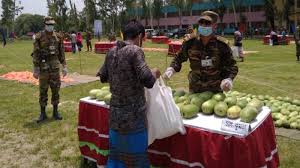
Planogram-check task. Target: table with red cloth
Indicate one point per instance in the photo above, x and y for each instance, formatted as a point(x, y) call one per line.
point(160, 39)
point(174, 47)
point(199, 147)
point(280, 40)
point(103, 47)
point(68, 46)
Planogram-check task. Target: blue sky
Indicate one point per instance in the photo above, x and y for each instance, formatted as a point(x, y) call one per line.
point(40, 6)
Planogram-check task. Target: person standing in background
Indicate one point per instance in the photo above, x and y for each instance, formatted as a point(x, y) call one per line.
point(79, 41)
point(89, 41)
point(238, 43)
point(3, 37)
point(73, 41)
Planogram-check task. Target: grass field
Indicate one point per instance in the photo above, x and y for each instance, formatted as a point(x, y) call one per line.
point(23, 143)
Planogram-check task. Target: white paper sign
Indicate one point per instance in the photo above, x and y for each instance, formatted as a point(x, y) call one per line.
point(98, 26)
point(235, 126)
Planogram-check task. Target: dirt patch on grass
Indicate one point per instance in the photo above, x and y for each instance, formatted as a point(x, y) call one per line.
point(250, 52)
point(156, 49)
point(27, 77)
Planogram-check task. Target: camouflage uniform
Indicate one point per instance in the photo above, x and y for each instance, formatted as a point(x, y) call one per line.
point(201, 77)
point(49, 60)
point(48, 54)
point(211, 63)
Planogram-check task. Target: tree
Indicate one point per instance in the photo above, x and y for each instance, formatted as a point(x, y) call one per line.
point(8, 13)
point(179, 4)
point(286, 11)
point(270, 10)
point(72, 22)
point(29, 23)
point(157, 7)
point(110, 11)
point(188, 6)
point(220, 9)
point(58, 10)
point(145, 11)
point(91, 12)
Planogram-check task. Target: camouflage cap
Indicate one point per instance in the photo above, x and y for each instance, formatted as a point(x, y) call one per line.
point(48, 20)
point(209, 16)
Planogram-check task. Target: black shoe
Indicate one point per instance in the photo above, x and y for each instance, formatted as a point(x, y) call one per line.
point(56, 114)
point(43, 115)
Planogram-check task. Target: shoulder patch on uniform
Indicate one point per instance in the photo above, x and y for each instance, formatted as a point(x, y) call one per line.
point(223, 39)
point(189, 37)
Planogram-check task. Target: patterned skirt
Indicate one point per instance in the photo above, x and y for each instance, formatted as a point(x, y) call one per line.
point(128, 150)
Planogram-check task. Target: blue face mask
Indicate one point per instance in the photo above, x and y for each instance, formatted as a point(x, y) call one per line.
point(205, 31)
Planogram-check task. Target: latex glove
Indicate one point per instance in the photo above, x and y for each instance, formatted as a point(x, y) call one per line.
point(226, 84)
point(36, 73)
point(64, 71)
point(169, 73)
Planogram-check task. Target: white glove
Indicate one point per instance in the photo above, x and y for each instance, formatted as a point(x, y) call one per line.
point(64, 71)
point(169, 73)
point(36, 72)
point(226, 84)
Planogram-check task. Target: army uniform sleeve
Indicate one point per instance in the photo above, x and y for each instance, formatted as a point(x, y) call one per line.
point(143, 72)
point(61, 49)
point(35, 53)
point(182, 55)
point(103, 71)
point(229, 67)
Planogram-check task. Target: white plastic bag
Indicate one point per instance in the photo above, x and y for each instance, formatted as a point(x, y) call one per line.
point(164, 118)
point(235, 52)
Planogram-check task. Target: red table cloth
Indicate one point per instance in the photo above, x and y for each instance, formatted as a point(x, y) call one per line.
point(68, 46)
point(160, 39)
point(198, 148)
point(103, 47)
point(280, 41)
point(174, 47)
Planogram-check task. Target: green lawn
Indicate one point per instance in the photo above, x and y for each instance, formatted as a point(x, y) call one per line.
point(23, 143)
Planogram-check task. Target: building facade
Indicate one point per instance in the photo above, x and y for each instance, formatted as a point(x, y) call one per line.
point(251, 11)
point(248, 14)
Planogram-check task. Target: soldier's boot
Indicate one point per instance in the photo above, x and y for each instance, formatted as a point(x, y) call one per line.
point(56, 114)
point(43, 115)
point(298, 57)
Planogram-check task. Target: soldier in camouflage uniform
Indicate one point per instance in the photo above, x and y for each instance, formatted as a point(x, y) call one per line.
point(212, 65)
point(48, 54)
